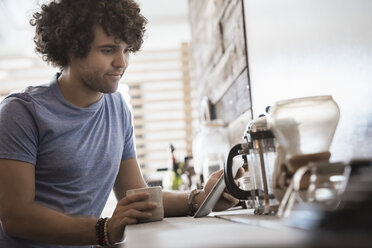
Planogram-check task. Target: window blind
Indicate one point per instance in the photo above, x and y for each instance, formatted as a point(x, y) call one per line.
point(163, 106)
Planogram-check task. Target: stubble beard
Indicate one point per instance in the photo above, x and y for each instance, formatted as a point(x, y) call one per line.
point(98, 83)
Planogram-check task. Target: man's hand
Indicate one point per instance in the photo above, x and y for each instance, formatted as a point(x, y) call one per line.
point(226, 200)
point(128, 211)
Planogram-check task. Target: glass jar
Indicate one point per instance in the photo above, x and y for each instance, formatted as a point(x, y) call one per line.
point(327, 182)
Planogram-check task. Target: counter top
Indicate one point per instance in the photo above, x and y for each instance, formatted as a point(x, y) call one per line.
point(225, 229)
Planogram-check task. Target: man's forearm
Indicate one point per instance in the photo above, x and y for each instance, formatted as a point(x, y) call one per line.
point(175, 203)
point(38, 223)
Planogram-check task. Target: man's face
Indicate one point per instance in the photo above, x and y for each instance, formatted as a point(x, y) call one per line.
point(104, 65)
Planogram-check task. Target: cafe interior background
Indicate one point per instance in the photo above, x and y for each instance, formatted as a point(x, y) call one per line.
point(215, 65)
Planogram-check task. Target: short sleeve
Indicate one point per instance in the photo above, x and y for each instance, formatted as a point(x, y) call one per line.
point(129, 145)
point(18, 132)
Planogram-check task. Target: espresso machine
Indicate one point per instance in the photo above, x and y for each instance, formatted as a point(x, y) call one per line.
point(258, 152)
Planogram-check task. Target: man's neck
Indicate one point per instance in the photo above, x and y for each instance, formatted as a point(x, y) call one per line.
point(75, 92)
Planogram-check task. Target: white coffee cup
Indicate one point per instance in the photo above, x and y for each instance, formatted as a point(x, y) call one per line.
point(155, 196)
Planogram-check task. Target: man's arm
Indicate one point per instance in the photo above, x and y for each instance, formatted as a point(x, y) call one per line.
point(130, 177)
point(174, 202)
point(21, 217)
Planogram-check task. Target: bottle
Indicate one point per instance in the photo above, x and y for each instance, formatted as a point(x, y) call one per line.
point(214, 147)
point(172, 179)
point(177, 171)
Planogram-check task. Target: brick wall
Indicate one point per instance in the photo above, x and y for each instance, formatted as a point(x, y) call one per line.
point(220, 60)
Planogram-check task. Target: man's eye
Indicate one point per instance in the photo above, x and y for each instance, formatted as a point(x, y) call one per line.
point(106, 51)
point(127, 50)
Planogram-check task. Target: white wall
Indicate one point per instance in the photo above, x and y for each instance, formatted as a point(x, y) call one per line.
point(167, 23)
point(314, 47)
point(20, 66)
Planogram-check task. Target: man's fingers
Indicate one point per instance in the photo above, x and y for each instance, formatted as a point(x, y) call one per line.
point(131, 216)
point(136, 197)
point(134, 213)
point(229, 198)
point(239, 173)
point(217, 173)
point(226, 201)
point(128, 221)
point(140, 206)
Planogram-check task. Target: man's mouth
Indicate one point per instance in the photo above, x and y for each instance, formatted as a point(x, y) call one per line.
point(114, 76)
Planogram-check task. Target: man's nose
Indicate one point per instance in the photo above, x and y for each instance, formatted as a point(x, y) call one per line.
point(120, 60)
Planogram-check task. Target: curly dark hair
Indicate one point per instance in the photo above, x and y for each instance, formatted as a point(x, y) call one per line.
point(65, 27)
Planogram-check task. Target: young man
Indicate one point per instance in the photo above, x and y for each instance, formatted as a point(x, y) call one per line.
point(66, 144)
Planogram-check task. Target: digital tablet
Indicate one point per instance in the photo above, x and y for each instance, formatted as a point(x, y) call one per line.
point(212, 198)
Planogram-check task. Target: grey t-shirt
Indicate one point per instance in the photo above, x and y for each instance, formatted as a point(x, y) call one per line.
point(76, 151)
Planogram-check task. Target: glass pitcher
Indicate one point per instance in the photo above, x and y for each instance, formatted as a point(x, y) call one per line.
point(304, 125)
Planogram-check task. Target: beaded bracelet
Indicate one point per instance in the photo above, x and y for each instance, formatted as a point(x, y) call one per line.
point(193, 207)
point(107, 241)
point(100, 231)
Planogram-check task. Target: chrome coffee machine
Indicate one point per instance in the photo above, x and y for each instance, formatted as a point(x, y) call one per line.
point(259, 153)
